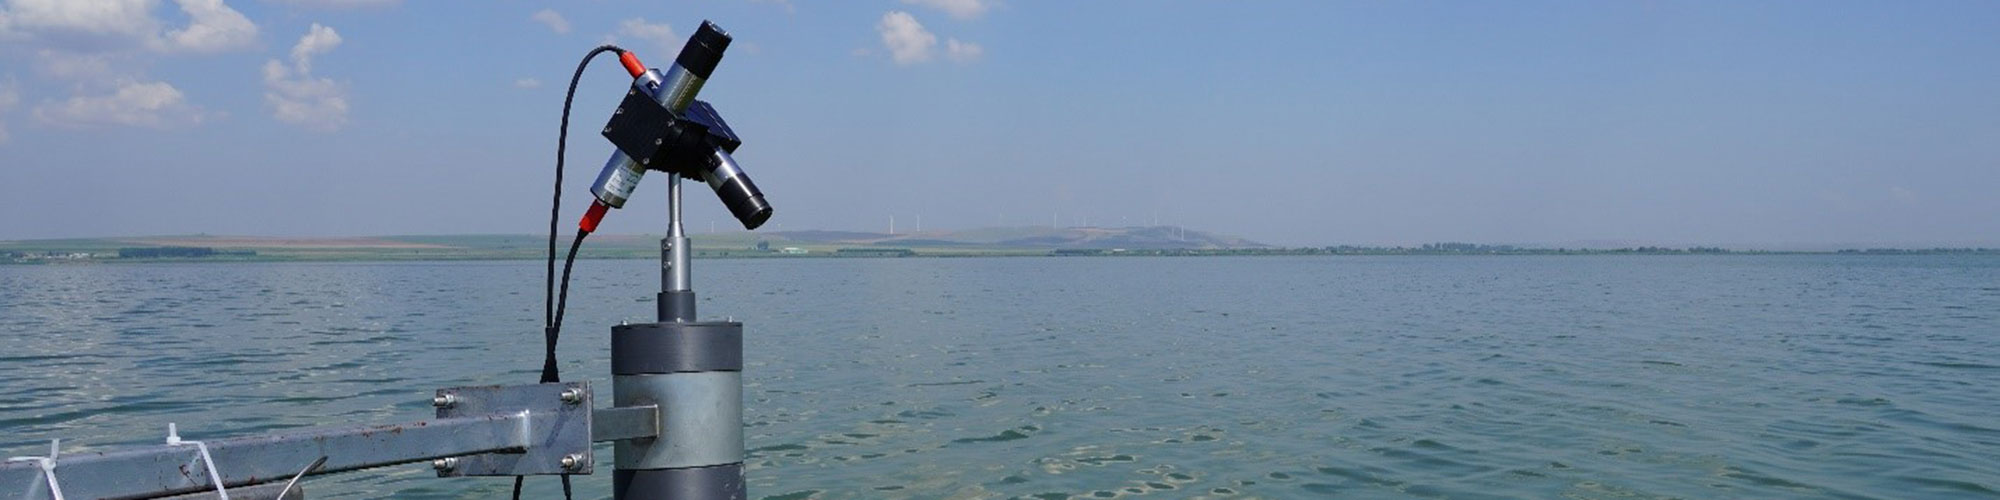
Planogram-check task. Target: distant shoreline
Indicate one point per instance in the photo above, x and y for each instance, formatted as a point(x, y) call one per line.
point(1011, 241)
point(1157, 241)
point(435, 254)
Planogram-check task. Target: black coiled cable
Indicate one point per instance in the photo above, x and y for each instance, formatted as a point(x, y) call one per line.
point(555, 301)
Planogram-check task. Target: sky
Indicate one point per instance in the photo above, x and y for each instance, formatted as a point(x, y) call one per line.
point(1760, 124)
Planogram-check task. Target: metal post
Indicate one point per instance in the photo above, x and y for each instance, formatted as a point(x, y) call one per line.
point(693, 371)
point(676, 299)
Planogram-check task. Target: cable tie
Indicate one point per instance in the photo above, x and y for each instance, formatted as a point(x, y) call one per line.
point(48, 465)
point(174, 439)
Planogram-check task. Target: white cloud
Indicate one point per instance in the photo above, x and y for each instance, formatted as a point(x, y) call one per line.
point(314, 103)
point(528, 83)
point(959, 9)
point(963, 51)
point(317, 40)
point(660, 35)
point(120, 25)
point(295, 95)
point(80, 24)
point(147, 104)
point(552, 19)
point(213, 27)
point(907, 40)
point(102, 48)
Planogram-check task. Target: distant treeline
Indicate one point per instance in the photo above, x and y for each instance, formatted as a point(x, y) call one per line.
point(180, 253)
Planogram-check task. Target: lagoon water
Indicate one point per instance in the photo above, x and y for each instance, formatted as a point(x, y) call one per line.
point(1278, 377)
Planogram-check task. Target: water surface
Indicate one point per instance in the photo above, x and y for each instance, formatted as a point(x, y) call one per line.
point(1277, 377)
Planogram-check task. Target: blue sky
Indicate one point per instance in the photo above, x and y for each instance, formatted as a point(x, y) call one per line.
point(1737, 123)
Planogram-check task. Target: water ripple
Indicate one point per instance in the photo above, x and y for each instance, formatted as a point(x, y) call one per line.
point(1584, 377)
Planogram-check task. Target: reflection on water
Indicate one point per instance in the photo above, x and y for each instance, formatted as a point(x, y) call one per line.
point(1449, 377)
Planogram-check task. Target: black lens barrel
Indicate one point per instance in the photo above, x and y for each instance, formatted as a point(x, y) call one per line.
point(704, 50)
point(744, 200)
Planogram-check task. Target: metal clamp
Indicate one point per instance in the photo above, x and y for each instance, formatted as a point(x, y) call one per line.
point(557, 432)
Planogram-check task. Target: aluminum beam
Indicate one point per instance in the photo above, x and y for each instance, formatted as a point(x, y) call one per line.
point(625, 422)
point(161, 470)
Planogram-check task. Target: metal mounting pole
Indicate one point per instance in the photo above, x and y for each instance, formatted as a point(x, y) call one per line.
point(693, 371)
point(676, 300)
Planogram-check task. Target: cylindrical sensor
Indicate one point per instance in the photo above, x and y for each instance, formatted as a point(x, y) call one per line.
point(742, 197)
point(674, 89)
point(615, 183)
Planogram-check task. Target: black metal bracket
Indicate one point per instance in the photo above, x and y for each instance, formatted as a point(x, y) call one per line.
point(660, 139)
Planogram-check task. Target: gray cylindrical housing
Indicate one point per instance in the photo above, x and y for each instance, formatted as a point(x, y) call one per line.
point(701, 419)
point(648, 348)
point(693, 372)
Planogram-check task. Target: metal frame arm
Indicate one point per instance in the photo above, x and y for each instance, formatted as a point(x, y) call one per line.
point(533, 429)
point(166, 470)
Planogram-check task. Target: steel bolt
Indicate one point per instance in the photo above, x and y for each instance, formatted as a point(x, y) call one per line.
point(445, 400)
point(444, 464)
point(572, 396)
point(572, 461)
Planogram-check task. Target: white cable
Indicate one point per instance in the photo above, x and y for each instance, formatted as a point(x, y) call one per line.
point(174, 439)
point(48, 465)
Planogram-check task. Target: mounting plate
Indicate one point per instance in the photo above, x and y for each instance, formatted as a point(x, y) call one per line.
point(558, 428)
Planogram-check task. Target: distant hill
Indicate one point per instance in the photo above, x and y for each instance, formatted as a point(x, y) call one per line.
point(1032, 237)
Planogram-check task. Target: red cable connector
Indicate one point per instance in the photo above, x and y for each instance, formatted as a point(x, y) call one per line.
point(593, 216)
point(632, 64)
